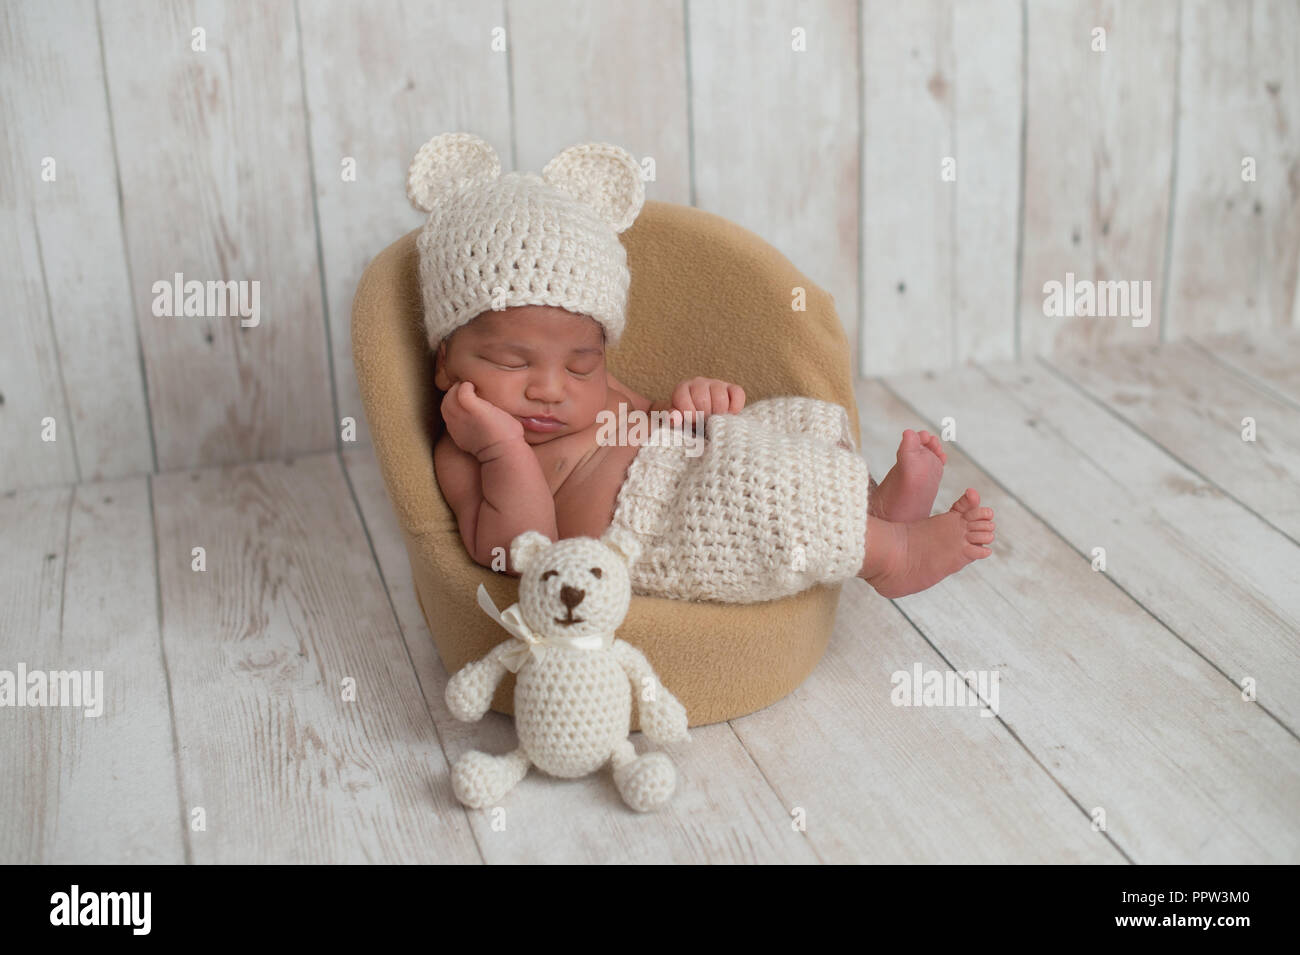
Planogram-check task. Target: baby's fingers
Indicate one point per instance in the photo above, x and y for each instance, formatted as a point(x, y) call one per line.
point(682, 399)
point(474, 404)
point(736, 398)
point(466, 394)
point(720, 397)
point(451, 402)
point(700, 397)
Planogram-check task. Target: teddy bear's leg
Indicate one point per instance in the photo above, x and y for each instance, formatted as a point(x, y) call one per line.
point(645, 782)
point(480, 779)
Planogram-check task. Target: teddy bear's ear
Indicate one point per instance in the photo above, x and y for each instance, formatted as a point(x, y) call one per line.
point(604, 176)
point(622, 542)
point(526, 548)
point(447, 162)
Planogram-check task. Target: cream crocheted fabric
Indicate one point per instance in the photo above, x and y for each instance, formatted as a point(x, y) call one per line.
point(574, 680)
point(771, 507)
point(497, 241)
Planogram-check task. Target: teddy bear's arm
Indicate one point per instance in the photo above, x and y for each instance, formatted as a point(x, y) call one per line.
point(663, 718)
point(469, 691)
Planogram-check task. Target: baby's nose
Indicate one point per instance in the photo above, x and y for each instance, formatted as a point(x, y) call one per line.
point(571, 596)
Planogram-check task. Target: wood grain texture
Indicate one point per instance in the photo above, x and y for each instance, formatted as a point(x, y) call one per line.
point(1236, 244)
point(775, 139)
point(258, 648)
point(80, 584)
point(75, 353)
point(1272, 361)
point(723, 810)
point(1120, 710)
point(1098, 159)
point(987, 114)
point(216, 186)
point(584, 71)
point(1222, 579)
point(941, 82)
point(375, 95)
point(881, 783)
point(118, 798)
point(33, 560)
point(1196, 410)
point(31, 388)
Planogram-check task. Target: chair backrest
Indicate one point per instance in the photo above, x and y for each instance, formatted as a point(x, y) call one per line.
point(711, 298)
point(707, 298)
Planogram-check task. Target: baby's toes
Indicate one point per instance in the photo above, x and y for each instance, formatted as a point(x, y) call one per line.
point(975, 551)
point(967, 501)
point(910, 444)
point(932, 442)
point(980, 532)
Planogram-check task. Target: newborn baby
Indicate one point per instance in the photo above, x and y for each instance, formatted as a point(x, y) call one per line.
point(523, 388)
point(524, 284)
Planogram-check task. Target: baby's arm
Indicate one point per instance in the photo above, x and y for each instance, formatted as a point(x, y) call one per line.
point(495, 499)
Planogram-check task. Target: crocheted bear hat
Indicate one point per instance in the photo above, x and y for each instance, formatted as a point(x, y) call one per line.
point(495, 241)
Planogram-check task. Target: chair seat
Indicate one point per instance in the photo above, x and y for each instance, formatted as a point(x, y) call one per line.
point(707, 298)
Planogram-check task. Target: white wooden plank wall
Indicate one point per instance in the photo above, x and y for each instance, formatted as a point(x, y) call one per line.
point(278, 155)
point(1098, 160)
point(69, 350)
point(774, 130)
point(216, 184)
point(1234, 241)
point(941, 99)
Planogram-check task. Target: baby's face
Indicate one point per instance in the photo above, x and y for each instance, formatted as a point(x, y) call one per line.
point(531, 361)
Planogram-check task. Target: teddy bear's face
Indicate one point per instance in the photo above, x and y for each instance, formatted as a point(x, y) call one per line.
point(575, 587)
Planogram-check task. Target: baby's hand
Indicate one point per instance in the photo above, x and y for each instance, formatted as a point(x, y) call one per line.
point(706, 396)
point(476, 425)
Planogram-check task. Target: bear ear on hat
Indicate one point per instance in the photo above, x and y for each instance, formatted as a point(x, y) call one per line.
point(446, 162)
point(604, 176)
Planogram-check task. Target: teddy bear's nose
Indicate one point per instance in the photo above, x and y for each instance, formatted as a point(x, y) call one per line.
point(571, 596)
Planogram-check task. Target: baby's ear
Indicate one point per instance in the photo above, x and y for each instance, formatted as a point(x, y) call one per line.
point(526, 548)
point(604, 176)
point(448, 162)
point(440, 367)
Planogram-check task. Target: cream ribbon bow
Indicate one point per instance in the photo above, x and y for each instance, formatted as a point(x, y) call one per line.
point(531, 644)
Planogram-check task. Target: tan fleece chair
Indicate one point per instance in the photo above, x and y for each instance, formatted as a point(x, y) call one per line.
point(707, 298)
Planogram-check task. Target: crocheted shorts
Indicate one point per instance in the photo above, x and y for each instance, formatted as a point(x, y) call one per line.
point(771, 507)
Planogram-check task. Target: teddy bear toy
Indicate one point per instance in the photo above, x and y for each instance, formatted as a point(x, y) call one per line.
point(574, 680)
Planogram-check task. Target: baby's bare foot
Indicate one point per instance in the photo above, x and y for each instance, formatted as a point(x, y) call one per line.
point(935, 548)
point(907, 492)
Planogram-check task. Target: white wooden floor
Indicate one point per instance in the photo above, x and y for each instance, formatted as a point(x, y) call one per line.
point(225, 738)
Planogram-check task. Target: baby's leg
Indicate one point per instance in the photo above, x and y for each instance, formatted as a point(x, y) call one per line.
point(904, 559)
